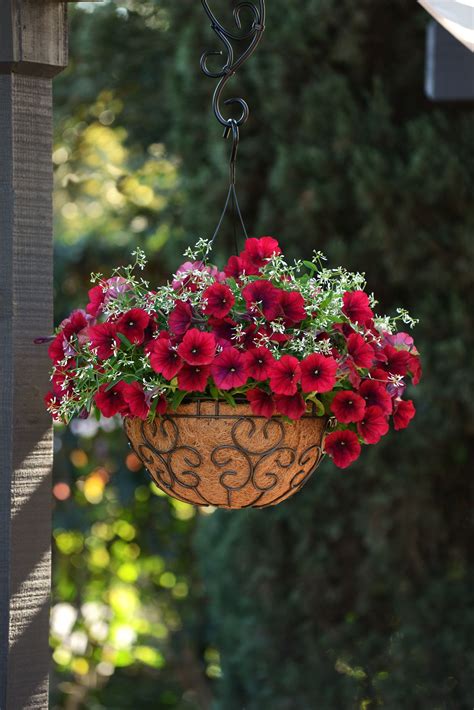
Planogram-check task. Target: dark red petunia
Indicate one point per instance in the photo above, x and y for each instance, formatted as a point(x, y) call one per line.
point(259, 363)
point(343, 447)
point(378, 374)
point(262, 404)
point(261, 250)
point(394, 361)
point(229, 369)
point(375, 394)
point(179, 319)
point(193, 378)
point(219, 300)
point(361, 352)
point(104, 339)
point(133, 324)
point(74, 324)
point(318, 373)
point(223, 329)
point(164, 359)
point(96, 299)
point(134, 397)
point(285, 375)
point(56, 348)
point(197, 347)
point(262, 297)
point(414, 367)
point(162, 405)
point(292, 307)
point(403, 413)
point(348, 406)
point(356, 307)
point(373, 426)
point(110, 401)
point(292, 406)
point(237, 266)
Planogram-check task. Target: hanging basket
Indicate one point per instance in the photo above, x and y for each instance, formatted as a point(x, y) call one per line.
point(211, 453)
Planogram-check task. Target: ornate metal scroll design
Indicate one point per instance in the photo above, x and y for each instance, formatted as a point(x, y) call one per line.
point(232, 63)
point(253, 456)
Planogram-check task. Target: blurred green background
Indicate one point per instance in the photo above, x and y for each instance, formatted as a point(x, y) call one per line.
point(357, 593)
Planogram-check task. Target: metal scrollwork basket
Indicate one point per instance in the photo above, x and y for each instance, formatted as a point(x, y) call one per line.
point(211, 453)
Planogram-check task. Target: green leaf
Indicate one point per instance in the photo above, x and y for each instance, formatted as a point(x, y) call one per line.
point(125, 340)
point(320, 409)
point(310, 266)
point(229, 399)
point(214, 391)
point(178, 397)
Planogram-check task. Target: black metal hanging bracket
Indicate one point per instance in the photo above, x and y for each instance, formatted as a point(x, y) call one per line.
point(233, 62)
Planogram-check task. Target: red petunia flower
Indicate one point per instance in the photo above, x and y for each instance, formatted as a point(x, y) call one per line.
point(318, 373)
point(74, 324)
point(179, 319)
point(347, 407)
point(110, 401)
point(373, 426)
point(133, 324)
point(403, 413)
point(356, 307)
point(343, 447)
point(285, 375)
point(361, 352)
point(134, 397)
point(56, 348)
point(104, 339)
point(261, 250)
point(220, 300)
point(193, 378)
point(262, 404)
point(260, 362)
point(96, 299)
point(197, 347)
point(414, 367)
point(292, 406)
point(162, 405)
point(223, 329)
point(375, 394)
point(229, 369)
point(239, 265)
point(394, 361)
point(292, 307)
point(262, 297)
point(164, 359)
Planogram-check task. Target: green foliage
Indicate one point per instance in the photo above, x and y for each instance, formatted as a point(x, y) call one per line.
point(357, 593)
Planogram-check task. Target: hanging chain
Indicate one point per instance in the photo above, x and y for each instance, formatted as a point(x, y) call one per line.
point(233, 61)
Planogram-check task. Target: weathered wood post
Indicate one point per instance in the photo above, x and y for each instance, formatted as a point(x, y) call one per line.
point(33, 48)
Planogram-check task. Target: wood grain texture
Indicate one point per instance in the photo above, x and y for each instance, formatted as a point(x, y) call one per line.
point(25, 430)
point(33, 36)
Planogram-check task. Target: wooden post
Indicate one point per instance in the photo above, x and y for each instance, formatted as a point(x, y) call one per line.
point(32, 50)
